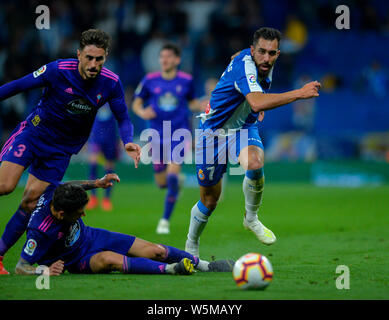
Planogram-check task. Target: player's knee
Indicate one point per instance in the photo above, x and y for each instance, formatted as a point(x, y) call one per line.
point(29, 202)
point(6, 188)
point(155, 252)
point(106, 261)
point(210, 202)
point(255, 164)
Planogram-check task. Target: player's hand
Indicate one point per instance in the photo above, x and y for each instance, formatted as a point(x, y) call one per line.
point(310, 90)
point(261, 116)
point(107, 181)
point(56, 268)
point(148, 113)
point(134, 151)
point(235, 55)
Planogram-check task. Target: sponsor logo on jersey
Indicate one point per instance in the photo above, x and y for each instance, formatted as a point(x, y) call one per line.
point(38, 72)
point(79, 106)
point(74, 234)
point(201, 175)
point(30, 247)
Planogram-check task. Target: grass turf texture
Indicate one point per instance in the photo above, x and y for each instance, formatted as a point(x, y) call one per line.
point(317, 229)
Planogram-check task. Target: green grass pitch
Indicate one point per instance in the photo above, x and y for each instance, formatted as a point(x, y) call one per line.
point(317, 230)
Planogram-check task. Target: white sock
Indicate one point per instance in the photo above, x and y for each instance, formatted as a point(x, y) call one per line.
point(203, 265)
point(198, 221)
point(253, 190)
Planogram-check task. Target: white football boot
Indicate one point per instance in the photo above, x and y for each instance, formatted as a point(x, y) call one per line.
point(263, 234)
point(163, 227)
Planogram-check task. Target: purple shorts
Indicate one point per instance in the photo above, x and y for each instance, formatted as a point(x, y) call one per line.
point(45, 162)
point(100, 240)
point(173, 154)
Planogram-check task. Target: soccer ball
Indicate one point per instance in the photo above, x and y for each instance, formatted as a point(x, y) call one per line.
point(252, 271)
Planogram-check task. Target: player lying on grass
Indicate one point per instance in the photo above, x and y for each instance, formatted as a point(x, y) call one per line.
point(58, 238)
point(60, 124)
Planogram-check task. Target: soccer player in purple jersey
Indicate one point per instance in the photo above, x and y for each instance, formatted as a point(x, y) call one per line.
point(167, 94)
point(58, 238)
point(103, 140)
point(74, 89)
point(237, 104)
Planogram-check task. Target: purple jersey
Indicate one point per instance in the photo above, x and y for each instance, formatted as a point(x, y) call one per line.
point(168, 98)
point(50, 240)
point(65, 114)
point(104, 128)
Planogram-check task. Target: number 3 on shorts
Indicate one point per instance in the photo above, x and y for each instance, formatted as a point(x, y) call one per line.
point(20, 149)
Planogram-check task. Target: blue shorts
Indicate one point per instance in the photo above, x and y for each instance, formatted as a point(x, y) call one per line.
point(45, 162)
point(100, 240)
point(214, 152)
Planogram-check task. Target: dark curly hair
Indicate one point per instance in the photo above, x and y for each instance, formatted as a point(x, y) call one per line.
point(69, 198)
point(95, 37)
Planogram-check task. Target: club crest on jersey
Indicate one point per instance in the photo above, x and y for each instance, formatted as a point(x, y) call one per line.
point(30, 247)
point(201, 175)
point(38, 72)
point(98, 97)
point(79, 106)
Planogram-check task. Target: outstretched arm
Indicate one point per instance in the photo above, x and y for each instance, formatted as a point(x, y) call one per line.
point(105, 182)
point(266, 101)
point(23, 84)
point(25, 268)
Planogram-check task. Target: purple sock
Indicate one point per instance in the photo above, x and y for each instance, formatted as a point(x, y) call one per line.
point(93, 168)
point(143, 266)
point(14, 229)
point(171, 195)
point(176, 255)
point(107, 192)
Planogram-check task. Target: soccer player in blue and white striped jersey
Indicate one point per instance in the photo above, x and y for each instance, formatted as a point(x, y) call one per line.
point(230, 132)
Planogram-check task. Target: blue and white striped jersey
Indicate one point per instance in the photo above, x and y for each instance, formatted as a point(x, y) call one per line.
point(228, 108)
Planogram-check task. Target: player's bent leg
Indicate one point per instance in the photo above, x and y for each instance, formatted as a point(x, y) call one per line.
point(18, 223)
point(33, 190)
point(10, 174)
point(93, 173)
point(108, 261)
point(172, 183)
point(200, 214)
point(160, 175)
point(106, 203)
point(252, 160)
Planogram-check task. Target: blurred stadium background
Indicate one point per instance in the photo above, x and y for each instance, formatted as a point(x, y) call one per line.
point(342, 138)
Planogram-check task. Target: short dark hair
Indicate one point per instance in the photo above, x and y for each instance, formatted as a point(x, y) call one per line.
point(267, 34)
point(69, 198)
point(95, 37)
point(173, 47)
